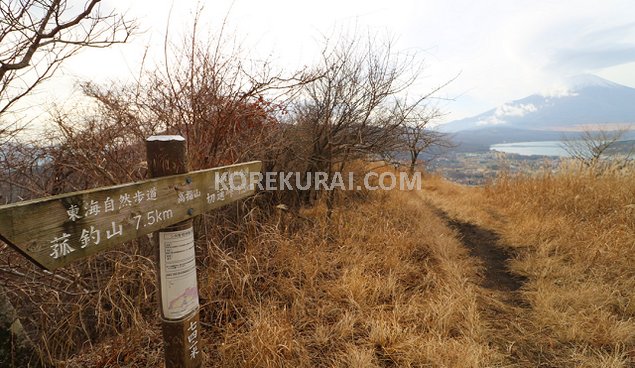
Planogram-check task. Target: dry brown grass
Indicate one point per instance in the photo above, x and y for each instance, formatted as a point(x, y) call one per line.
point(372, 288)
point(574, 236)
point(385, 283)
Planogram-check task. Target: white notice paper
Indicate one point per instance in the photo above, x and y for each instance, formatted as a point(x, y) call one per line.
point(179, 291)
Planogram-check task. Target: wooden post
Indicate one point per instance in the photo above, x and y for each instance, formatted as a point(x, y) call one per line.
point(178, 289)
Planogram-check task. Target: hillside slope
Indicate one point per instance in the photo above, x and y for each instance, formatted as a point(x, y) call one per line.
point(529, 272)
point(385, 284)
point(571, 235)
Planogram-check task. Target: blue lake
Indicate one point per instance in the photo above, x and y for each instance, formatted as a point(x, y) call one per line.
point(547, 148)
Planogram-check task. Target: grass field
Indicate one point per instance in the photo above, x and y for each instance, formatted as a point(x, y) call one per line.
point(526, 272)
point(573, 238)
point(385, 283)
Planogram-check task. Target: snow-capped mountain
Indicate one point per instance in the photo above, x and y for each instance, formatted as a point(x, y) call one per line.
point(584, 99)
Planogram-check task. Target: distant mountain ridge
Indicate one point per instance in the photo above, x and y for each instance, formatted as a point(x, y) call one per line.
point(584, 99)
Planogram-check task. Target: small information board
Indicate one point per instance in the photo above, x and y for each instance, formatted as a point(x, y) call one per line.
point(177, 261)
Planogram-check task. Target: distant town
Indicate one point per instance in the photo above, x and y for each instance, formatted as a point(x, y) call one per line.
point(478, 168)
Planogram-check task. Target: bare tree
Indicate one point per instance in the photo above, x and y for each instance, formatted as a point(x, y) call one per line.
point(591, 147)
point(417, 135)
point(36, 36)
point(357, 109)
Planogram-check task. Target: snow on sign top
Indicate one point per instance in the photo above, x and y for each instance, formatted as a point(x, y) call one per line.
point(165, 138)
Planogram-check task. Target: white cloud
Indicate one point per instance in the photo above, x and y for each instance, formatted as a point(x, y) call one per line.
point(558, 92)
point(493, 120)
point(506, 111)
point(514, 110)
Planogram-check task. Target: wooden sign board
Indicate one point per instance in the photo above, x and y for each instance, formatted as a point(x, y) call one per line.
point(58, 230)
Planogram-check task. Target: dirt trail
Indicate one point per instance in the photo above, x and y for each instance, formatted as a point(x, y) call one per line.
point(502, 304)
point(485, 245)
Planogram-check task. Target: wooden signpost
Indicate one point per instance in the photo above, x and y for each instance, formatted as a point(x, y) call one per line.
point(55, 231)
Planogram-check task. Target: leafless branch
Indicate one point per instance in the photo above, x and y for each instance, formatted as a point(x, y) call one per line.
point(36, 36)
point(591, 147)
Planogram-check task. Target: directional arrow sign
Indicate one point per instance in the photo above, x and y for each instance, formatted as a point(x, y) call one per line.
point(55, 231)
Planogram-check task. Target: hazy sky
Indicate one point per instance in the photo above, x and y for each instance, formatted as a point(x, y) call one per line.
point(503, 50)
